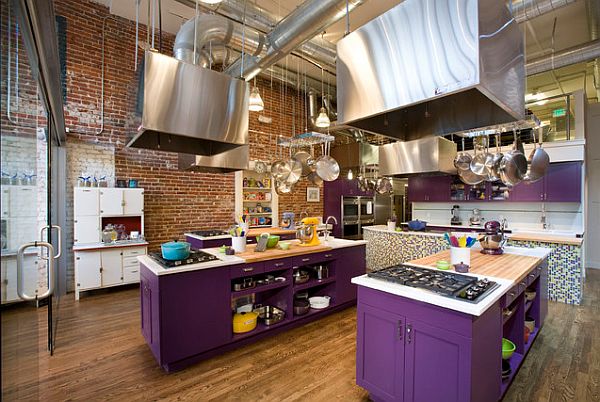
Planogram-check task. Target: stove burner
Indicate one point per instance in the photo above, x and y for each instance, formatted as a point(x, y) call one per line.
point(209, 233)
point(448, 284)
point(196, 257)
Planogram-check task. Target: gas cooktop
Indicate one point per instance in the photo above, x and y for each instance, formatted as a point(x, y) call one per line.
point(209, 233)
point(449, 284)
point(196, 257)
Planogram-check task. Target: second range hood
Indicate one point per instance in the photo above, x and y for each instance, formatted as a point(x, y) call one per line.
point(190, 109)
point(429, 156)
point(432, 67)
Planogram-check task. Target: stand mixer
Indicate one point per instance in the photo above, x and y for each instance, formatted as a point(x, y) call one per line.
point(307, 232)
point(493, 240)
point(287, 221)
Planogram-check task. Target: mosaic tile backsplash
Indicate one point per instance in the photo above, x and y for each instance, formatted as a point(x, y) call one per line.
point(565, 270)
point(565, 274)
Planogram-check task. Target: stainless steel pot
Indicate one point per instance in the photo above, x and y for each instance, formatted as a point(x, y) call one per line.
point(269, 314)
point(321, 271)
point(326, 167)
point(301, 306)
point(463, 159)
point(301, 276)
point(304, 233)
point(513, 166)
point(538, 162)
point(307, 162)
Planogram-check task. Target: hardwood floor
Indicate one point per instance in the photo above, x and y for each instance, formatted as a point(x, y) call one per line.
point(101, 355)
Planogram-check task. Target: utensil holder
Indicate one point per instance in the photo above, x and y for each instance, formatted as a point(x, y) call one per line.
point(238, 243)
point(460, 255)
point(391, 226)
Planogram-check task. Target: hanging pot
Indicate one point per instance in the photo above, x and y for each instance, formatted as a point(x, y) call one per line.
point(513, 166)
point(494, 172)
point(306, 161)
point(384, 186)
point(478, 163)
point(470, 178)
point(327, 168)
point(463, 159)
point(538, 162)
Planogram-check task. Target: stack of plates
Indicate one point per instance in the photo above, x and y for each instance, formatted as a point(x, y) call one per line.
point(319, 302)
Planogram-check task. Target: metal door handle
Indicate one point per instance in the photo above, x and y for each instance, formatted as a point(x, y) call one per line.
point(305, 259)
point(59, 232)
point(248, 269)
point(21, 266)
point(532, 275)
point(279, 264)
point(408, 332)
point(399, 330)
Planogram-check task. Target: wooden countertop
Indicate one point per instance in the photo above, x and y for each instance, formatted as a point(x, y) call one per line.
point(273, 253)
point(273, 231)
point(574, 241)
point(507, 266)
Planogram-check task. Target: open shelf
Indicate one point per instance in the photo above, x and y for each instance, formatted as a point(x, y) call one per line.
point(261, 226)
point(257, 188)
point(532, 337)
point(528, 305)
point(313, 311)
point(261, 288)
point(506, 318)
point(259, 213)
point(260, 327)
point(515, 362)
point(258, 201)
point(313, 283)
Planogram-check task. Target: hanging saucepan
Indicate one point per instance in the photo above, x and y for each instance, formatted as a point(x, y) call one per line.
point(327, 167)
point(306, 161)
point(478, 162)
point(283, 187)
point(295, 170)
point(494, 173)
point(280, 169)
point(361, 180)
point(513, 166)
point(384, 186)
point(462, 161)
point(538, 162)
point(470, 178)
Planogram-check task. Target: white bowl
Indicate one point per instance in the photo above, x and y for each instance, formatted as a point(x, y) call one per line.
point(319, 302)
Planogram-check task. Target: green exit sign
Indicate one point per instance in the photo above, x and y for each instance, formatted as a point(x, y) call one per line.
point(559, 113)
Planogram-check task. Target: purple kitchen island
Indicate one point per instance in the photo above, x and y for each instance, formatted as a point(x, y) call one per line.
point(187, 309)
point(425, 335)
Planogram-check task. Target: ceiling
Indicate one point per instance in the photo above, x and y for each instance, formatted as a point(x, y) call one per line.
point(571, 29)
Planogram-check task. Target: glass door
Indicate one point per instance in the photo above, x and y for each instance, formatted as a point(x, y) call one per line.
point(30, 249)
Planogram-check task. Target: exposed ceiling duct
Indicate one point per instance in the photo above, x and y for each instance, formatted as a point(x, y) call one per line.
point(593, 13)
point(430, 67)
point(525, 10)
point(576, 54)
point(301, 25)
point(190, 109)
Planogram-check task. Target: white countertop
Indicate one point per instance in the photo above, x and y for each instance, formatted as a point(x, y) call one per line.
point(227, 260)
point(430, 297)
point(383, 228)
point(320, 227)
point(123, 243)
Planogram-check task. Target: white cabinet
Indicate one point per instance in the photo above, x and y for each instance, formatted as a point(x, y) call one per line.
point(112, 264)
point(86, 201)
point(9, 277)
point(111, 201)
point(133, 201)
point(87, 229)
point(109, 267)
point(21, 230)
point(88, 273)
point(22, 201)
point(5, 201)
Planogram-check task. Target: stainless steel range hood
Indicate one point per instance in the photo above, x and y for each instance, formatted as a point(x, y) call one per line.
point(190, 109)
point(432, 155)
point(431, 67)
point(225, 162)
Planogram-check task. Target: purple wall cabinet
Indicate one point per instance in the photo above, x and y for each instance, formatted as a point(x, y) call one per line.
point(429, 188)
point(436, 354)
point(528, 192)
point(333, 191)
point(351, 263)
point(562, 183)
point(380, 354)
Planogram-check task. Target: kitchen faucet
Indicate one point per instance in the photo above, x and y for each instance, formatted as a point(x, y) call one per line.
point(543, 218)
point(327, 222)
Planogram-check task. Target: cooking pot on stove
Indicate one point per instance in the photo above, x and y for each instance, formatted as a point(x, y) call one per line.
point(244, 322)
point(175, 250)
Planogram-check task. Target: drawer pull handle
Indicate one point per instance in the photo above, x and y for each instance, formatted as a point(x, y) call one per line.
point(400, 330)
point(248, 269)
point(523, 284)
point(532, 275)
point(328, 255)
point(512, 294)
point(305, 259)
point(279, 264)
point(133, 272)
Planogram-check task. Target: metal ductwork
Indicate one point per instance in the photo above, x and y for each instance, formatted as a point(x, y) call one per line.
point(432, 155)
point(576, 54)
point(302, 24)
point(593, 13)
point(355, 154)
point(524, 10)
point(190, 109)
point(225, 162)
point(431, 67)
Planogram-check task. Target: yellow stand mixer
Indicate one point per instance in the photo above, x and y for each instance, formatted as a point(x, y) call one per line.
point(307, 233)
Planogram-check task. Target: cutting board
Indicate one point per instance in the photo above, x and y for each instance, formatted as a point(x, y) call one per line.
point(273, 253)
point(507, 266)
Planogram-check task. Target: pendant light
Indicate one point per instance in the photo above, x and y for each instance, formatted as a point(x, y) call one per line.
point(322, 119)
point(350, 174)
point(255, 102)
point(210, 1)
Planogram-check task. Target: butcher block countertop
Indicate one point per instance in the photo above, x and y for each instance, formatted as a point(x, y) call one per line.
point(513, 267)
point(273, 253)
point(572, 241)
point(273, 231)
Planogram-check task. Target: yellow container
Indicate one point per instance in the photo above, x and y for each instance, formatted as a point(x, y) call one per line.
point(244, 322)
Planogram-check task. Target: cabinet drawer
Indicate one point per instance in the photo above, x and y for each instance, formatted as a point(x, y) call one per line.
point(130, 262)
point(276, 265)
point(240, 271)
point(329, 255)
point(532, 276)
point(512, 294)
point(134, 251)
point(131, 274)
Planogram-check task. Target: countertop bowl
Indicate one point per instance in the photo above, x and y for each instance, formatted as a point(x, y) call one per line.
point(272, 242)
point(508, 348)
point(417, 225)
point(530, 295)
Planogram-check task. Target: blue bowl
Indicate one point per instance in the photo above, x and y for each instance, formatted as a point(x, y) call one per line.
point(417, 225)
point(175, 250)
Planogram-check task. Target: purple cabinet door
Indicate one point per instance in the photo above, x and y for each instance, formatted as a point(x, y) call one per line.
point(351, 263)
point(146, 308)
point(195, 312)
point(526, 192)
point(429, 189)
point(417, 189)
point(563, 182)
point(332, 203)
point(380, 353)
point(437, 364)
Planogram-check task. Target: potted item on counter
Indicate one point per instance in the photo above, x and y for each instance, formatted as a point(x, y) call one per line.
point(391, 223)
point(175, 250)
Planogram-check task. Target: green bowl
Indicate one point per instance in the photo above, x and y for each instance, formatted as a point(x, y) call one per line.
point(442, 264)
point(272, 242)
point(284, 245)
point(508, 348)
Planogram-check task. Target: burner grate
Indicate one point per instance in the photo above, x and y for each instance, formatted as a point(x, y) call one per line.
point(196, 257)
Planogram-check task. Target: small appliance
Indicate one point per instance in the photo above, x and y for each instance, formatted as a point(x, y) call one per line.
point(493, 240)
point(475, 219)
point(455, 220)
point(287, 221)
point(307, 233)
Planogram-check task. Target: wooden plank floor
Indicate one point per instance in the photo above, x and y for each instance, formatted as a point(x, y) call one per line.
point(101, 355)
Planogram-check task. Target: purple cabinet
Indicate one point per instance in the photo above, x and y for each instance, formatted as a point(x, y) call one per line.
point(526, 192)
point(380, 355)
point(429, 188)
point(562, 183)
point(208, 243)
point(351, 263)
point(333, 191)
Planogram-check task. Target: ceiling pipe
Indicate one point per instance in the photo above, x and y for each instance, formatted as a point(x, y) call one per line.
point(576, 54)
point(302, 24)
point(524, 10)
point(593, 13)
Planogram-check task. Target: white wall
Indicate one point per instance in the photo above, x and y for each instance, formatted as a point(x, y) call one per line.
point(592, 235)
point(520, 215)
